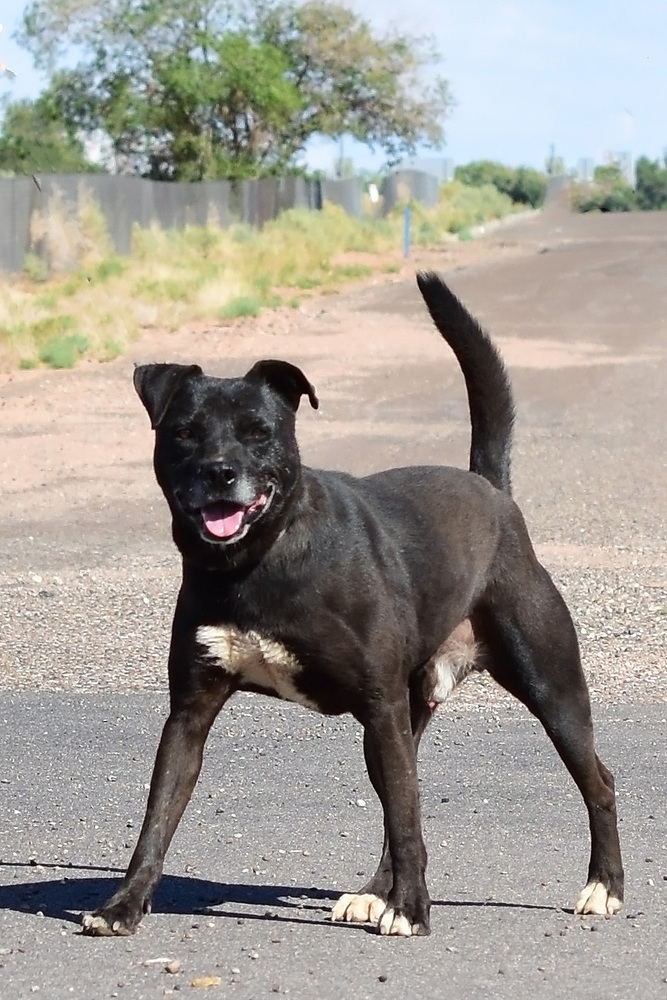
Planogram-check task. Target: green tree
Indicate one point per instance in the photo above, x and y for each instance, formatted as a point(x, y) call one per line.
point(529, 187)
point(522, 184)
point(197, 89)
point(355, 83)
point(651, 184)
point(225, 117)
point(481, 172)
point(610, 192)
point(35, 139)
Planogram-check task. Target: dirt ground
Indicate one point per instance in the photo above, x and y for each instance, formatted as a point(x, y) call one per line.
point(578, 306)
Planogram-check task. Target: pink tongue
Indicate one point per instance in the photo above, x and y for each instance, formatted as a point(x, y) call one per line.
point(223, 521)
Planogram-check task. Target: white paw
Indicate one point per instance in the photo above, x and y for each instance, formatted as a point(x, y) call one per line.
point(396, 924)
point(363, 908)
point(596, 899)
point(96, 925)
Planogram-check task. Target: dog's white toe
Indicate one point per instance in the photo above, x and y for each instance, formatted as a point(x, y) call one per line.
point(395, 924)
point(597, 900)
point(360, 908)
point(96, 925)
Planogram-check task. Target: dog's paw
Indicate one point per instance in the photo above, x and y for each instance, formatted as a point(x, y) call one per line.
point(362, 908)
point(596, 899)
point(397, 924)
point(119, 919)
point(95, 925)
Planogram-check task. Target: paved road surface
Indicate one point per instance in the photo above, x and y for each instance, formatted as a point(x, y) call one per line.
point(275, 831)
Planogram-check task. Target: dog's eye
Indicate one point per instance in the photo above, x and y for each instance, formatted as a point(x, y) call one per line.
point(256, 432)
point(183, 433)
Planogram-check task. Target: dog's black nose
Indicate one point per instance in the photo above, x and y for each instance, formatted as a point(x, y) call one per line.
point(221, 473)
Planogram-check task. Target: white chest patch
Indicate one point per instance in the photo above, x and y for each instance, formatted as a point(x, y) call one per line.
point(255, 660)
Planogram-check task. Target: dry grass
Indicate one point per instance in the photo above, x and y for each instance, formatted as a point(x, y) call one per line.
point(77, 298)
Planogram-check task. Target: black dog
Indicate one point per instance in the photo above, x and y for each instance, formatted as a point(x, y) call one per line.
point(368, 596)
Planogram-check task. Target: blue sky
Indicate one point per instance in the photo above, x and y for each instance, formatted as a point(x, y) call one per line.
point(588, 76)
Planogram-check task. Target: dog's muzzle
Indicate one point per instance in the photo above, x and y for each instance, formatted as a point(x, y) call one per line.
point(227, 521)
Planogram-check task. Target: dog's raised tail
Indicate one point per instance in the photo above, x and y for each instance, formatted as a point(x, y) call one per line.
point(489, 391)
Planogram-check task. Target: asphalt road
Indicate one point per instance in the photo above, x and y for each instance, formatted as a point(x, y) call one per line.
point(283, 818)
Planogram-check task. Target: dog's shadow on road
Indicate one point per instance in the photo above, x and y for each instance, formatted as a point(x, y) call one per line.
point(64, 897)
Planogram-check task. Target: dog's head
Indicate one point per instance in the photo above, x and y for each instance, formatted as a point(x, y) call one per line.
point(226, 455)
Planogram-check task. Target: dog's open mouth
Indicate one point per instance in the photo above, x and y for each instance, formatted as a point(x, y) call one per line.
point(226, 520)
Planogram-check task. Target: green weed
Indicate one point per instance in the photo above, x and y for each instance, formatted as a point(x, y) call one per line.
point(111, 267)
point(262, 283)
point(72, 285)
point(111, 349)
point(304, 281)
point(242, 305)
point(35, 268)
point(54, 326)
point(353, 271)
point(63, 352)
point(46, 301)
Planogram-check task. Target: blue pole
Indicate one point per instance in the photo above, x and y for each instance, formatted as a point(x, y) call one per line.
point(407, 218)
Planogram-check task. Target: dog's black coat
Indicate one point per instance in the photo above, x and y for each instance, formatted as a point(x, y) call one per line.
point(342, 593)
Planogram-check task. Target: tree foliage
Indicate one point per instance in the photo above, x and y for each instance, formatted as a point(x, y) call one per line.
point(651, 185)
point(198, 89)
point(610, 192)
point(35, 140)
point(523, 185)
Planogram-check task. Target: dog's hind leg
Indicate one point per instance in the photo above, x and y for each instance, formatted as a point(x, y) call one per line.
point(368, 905)
point(392, 767)
point(177, 766)
point(534, 654)
point(429, 687)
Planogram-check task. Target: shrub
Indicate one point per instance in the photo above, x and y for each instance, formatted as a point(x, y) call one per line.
point(529, 188)
point(35, 268)
point(54, 326)
point(63, 352)
point(110, 267)
point(242, 305)
point(523, 185)
point(347, 271)
point(610, 192)
point(651, 189)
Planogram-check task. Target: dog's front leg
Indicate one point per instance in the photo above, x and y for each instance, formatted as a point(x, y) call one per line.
point(177, 767)
point(392, 767)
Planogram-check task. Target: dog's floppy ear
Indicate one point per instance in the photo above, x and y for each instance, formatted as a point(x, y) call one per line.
point(156, 385)
point(286, 379)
